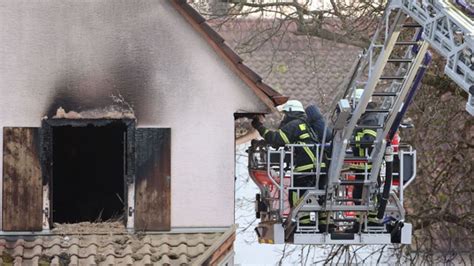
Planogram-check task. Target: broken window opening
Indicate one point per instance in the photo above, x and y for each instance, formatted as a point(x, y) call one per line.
point(88, 170)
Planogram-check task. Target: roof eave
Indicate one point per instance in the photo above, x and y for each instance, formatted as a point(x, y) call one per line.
point(265, 93)
point(224, 242)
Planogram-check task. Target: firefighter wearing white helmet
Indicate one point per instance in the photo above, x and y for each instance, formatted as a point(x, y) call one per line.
point(293, 106)
point(295, 129)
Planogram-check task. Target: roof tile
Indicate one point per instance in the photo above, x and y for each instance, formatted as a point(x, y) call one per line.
point(173, 249)
point(308, 69)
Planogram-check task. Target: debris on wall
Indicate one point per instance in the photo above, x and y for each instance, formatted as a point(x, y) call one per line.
point(118, 109)
point(109, 112)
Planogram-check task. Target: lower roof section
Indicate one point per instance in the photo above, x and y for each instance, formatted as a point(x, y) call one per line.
point(90, 244)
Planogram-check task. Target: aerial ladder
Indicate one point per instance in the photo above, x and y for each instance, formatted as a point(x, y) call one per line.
point(389, 72)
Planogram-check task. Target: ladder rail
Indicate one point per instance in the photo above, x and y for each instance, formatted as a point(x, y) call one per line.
point(445, 17)
point(379, 149)
point(395, 86)
point(411, 94)
point(343, 137)
point(365, 59)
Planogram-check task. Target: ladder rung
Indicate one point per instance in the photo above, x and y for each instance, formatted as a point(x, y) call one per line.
point(368, 127)
point(392, 77)
point(408, 43)
point(412, 25)
point(348, 200)
point(345, 220)
point(356, 159)
point(385, 94)
point(354, 143)
point(354, 182)
point(377, 110)
point(399, 60)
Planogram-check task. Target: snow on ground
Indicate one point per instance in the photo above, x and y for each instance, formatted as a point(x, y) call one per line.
point(247, 249)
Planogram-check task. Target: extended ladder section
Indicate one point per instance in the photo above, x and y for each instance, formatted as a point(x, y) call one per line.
point(389, 74)
point(386, 75)
point(444, 27)
point(451, 33)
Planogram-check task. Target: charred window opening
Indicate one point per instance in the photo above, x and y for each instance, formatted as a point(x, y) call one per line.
point(88, 169)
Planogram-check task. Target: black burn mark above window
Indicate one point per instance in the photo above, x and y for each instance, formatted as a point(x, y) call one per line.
point(128, 77)
point(69, 94)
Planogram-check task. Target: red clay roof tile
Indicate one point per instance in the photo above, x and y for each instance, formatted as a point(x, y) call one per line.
point(111, 249)
point(308, 69)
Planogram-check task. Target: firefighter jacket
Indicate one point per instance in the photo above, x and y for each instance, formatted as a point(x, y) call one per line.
point(364, 138)
point(293, 130)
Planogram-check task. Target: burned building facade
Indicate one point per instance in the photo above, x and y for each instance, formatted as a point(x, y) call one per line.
point(119, 110)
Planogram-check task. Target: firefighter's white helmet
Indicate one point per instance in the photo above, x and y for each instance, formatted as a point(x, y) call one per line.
point(293, 106)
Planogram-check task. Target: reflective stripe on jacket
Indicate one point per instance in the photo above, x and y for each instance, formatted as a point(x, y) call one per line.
point(294, 130)
point(359, 150)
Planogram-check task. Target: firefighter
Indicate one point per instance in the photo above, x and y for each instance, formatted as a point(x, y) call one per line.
point(294, 129)
point(364, 138)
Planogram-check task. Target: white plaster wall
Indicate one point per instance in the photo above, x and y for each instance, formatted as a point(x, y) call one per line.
point(76, 54)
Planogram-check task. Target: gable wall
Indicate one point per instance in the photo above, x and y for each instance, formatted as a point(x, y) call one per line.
point(77, 54)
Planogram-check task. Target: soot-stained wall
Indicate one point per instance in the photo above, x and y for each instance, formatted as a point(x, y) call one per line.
point(77, 54)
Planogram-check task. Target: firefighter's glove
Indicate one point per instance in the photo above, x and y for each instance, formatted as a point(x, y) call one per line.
point(258, 125)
